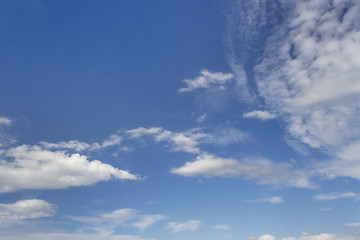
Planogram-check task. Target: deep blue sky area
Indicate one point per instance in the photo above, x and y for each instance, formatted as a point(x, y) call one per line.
point(157, 120)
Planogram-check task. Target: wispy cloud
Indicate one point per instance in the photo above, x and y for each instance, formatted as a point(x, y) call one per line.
point(273, 200)
point(207, 79)
point(32, 167)
point(187, 141)
point(187, 226)
point(122, 217)
point(5, 121)
point(261, 170)
point(262, 115)
point(321, 197)
point(222, 227)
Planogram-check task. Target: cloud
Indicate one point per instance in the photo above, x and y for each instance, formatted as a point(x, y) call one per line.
point(321, 197)
point(223, 135)
point(222, 227)
point(32, 167)
point(207, 79)
point(5, 121)
point(122, 217)
point(178, 141)
point(262, 171)
point(187, 226)
point(26, 209)
point(273, 200)
point(267, 237)
point(305, 236)
point(262, 115)
point(79, 146)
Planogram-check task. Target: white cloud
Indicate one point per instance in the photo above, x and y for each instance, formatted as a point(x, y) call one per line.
point(223, 135)
point(320, 197)
point(262, 115)
point(187, 226)
point(201, 118)
point(26, 209)
point(5, 121)
point(32, 167)
point(267, 237)
point(207, 79)
point(261, 170)
point(79, 146)
point(222, 227)
point(122, 217)
point(179, 141)
point(273, 200)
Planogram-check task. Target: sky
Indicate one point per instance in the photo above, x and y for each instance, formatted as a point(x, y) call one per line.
point(157, 120)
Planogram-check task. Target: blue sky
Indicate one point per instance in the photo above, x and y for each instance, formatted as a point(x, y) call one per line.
point(139, 120)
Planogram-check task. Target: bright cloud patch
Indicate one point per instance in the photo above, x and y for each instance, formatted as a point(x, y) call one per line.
point(262, 115)
point(207, 79)
point(261, 170)
point(70, 236)
point(122, 217)
point(182, 141)
point(26, 209)
point(5, 121)
point(320, 197)
point(187, 226)
point(32, 167)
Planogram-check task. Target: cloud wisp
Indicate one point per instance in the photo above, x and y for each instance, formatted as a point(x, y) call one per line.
point(258, 114)
point(272, 200)
point(187, 226)
point(328, 197)
point(263, 171)
point(207, 79)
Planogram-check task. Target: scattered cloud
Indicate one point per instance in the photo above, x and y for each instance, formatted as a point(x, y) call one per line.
point(207, 79)
point(26, 209)
point(321, 197)
point(224, 134)
point(201, 118)
point(262, 115)
point(187, 226)
point(222, 227)
point(70, 236)
point(273, 200)
point(179, 141)
point(261, 170)
point(5, 121)
point(79, 146)
point(33, 167)
point(121, 217)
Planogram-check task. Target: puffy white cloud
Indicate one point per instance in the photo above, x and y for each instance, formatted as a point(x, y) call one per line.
point(187, 226)
point(262, 115)
point(261, 170)
point(273, 200)
point(26, 209)
point(305, 236)
point(179, 141)
point(32, 167)
point(5, 121)
point(122, 217)
point(222, 227)
point(320, 197)
point(267, 237)
point(207, 79)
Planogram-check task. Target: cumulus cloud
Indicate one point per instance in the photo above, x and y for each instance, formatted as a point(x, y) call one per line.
point(273, 200)
point(5, 121)
point(33, 167)
point(179, 141)
point(321, 197)
point(207, 79)
point(262, 171)
point(262, 115)
point(122, 217)
point(305, 236)
point(26, 209)
point(187, 226)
